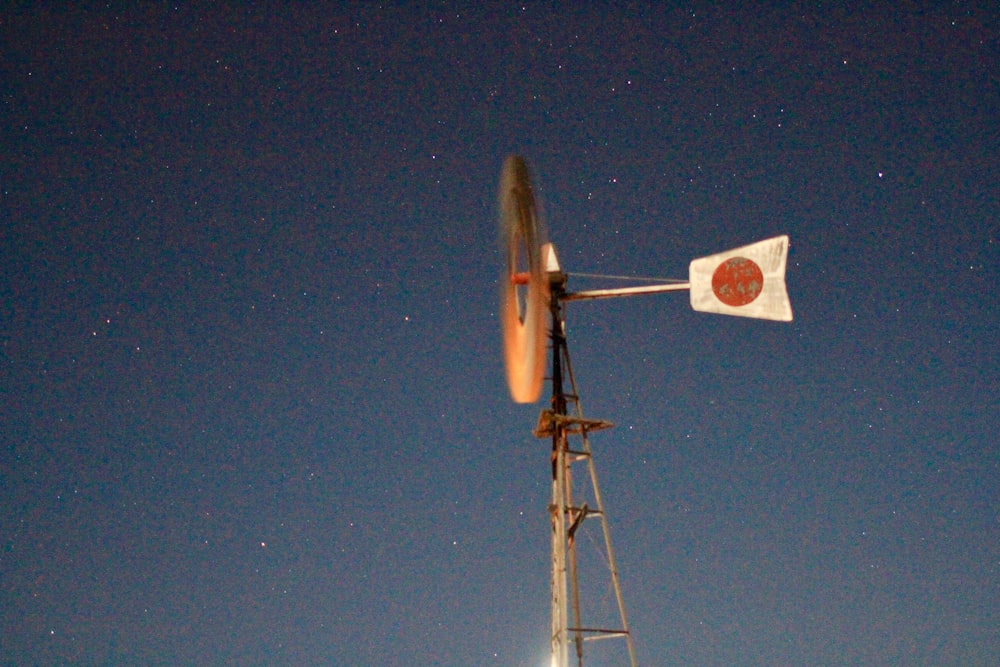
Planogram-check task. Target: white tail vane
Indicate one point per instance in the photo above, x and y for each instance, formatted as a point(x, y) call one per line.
point(746, 282)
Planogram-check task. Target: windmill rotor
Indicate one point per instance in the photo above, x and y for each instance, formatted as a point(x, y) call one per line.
point(524, 286)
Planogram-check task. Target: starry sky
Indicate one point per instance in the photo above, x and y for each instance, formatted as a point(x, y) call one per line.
point(254, 409)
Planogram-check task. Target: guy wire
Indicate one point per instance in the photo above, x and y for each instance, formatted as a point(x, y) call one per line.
point(607, 277)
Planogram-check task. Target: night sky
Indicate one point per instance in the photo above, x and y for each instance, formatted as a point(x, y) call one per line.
point(253, 405)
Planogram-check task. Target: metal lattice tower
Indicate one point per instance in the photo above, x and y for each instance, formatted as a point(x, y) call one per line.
point(564, 423)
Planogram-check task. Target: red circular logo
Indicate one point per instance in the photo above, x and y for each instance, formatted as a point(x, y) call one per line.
point(737, 281)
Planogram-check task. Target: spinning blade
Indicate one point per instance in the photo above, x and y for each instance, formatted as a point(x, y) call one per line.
point(524, 288)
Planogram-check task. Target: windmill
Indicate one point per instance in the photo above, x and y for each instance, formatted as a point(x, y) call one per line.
point(747, 281)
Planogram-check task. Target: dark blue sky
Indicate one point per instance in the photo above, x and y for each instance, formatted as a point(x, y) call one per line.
point(254, 409)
